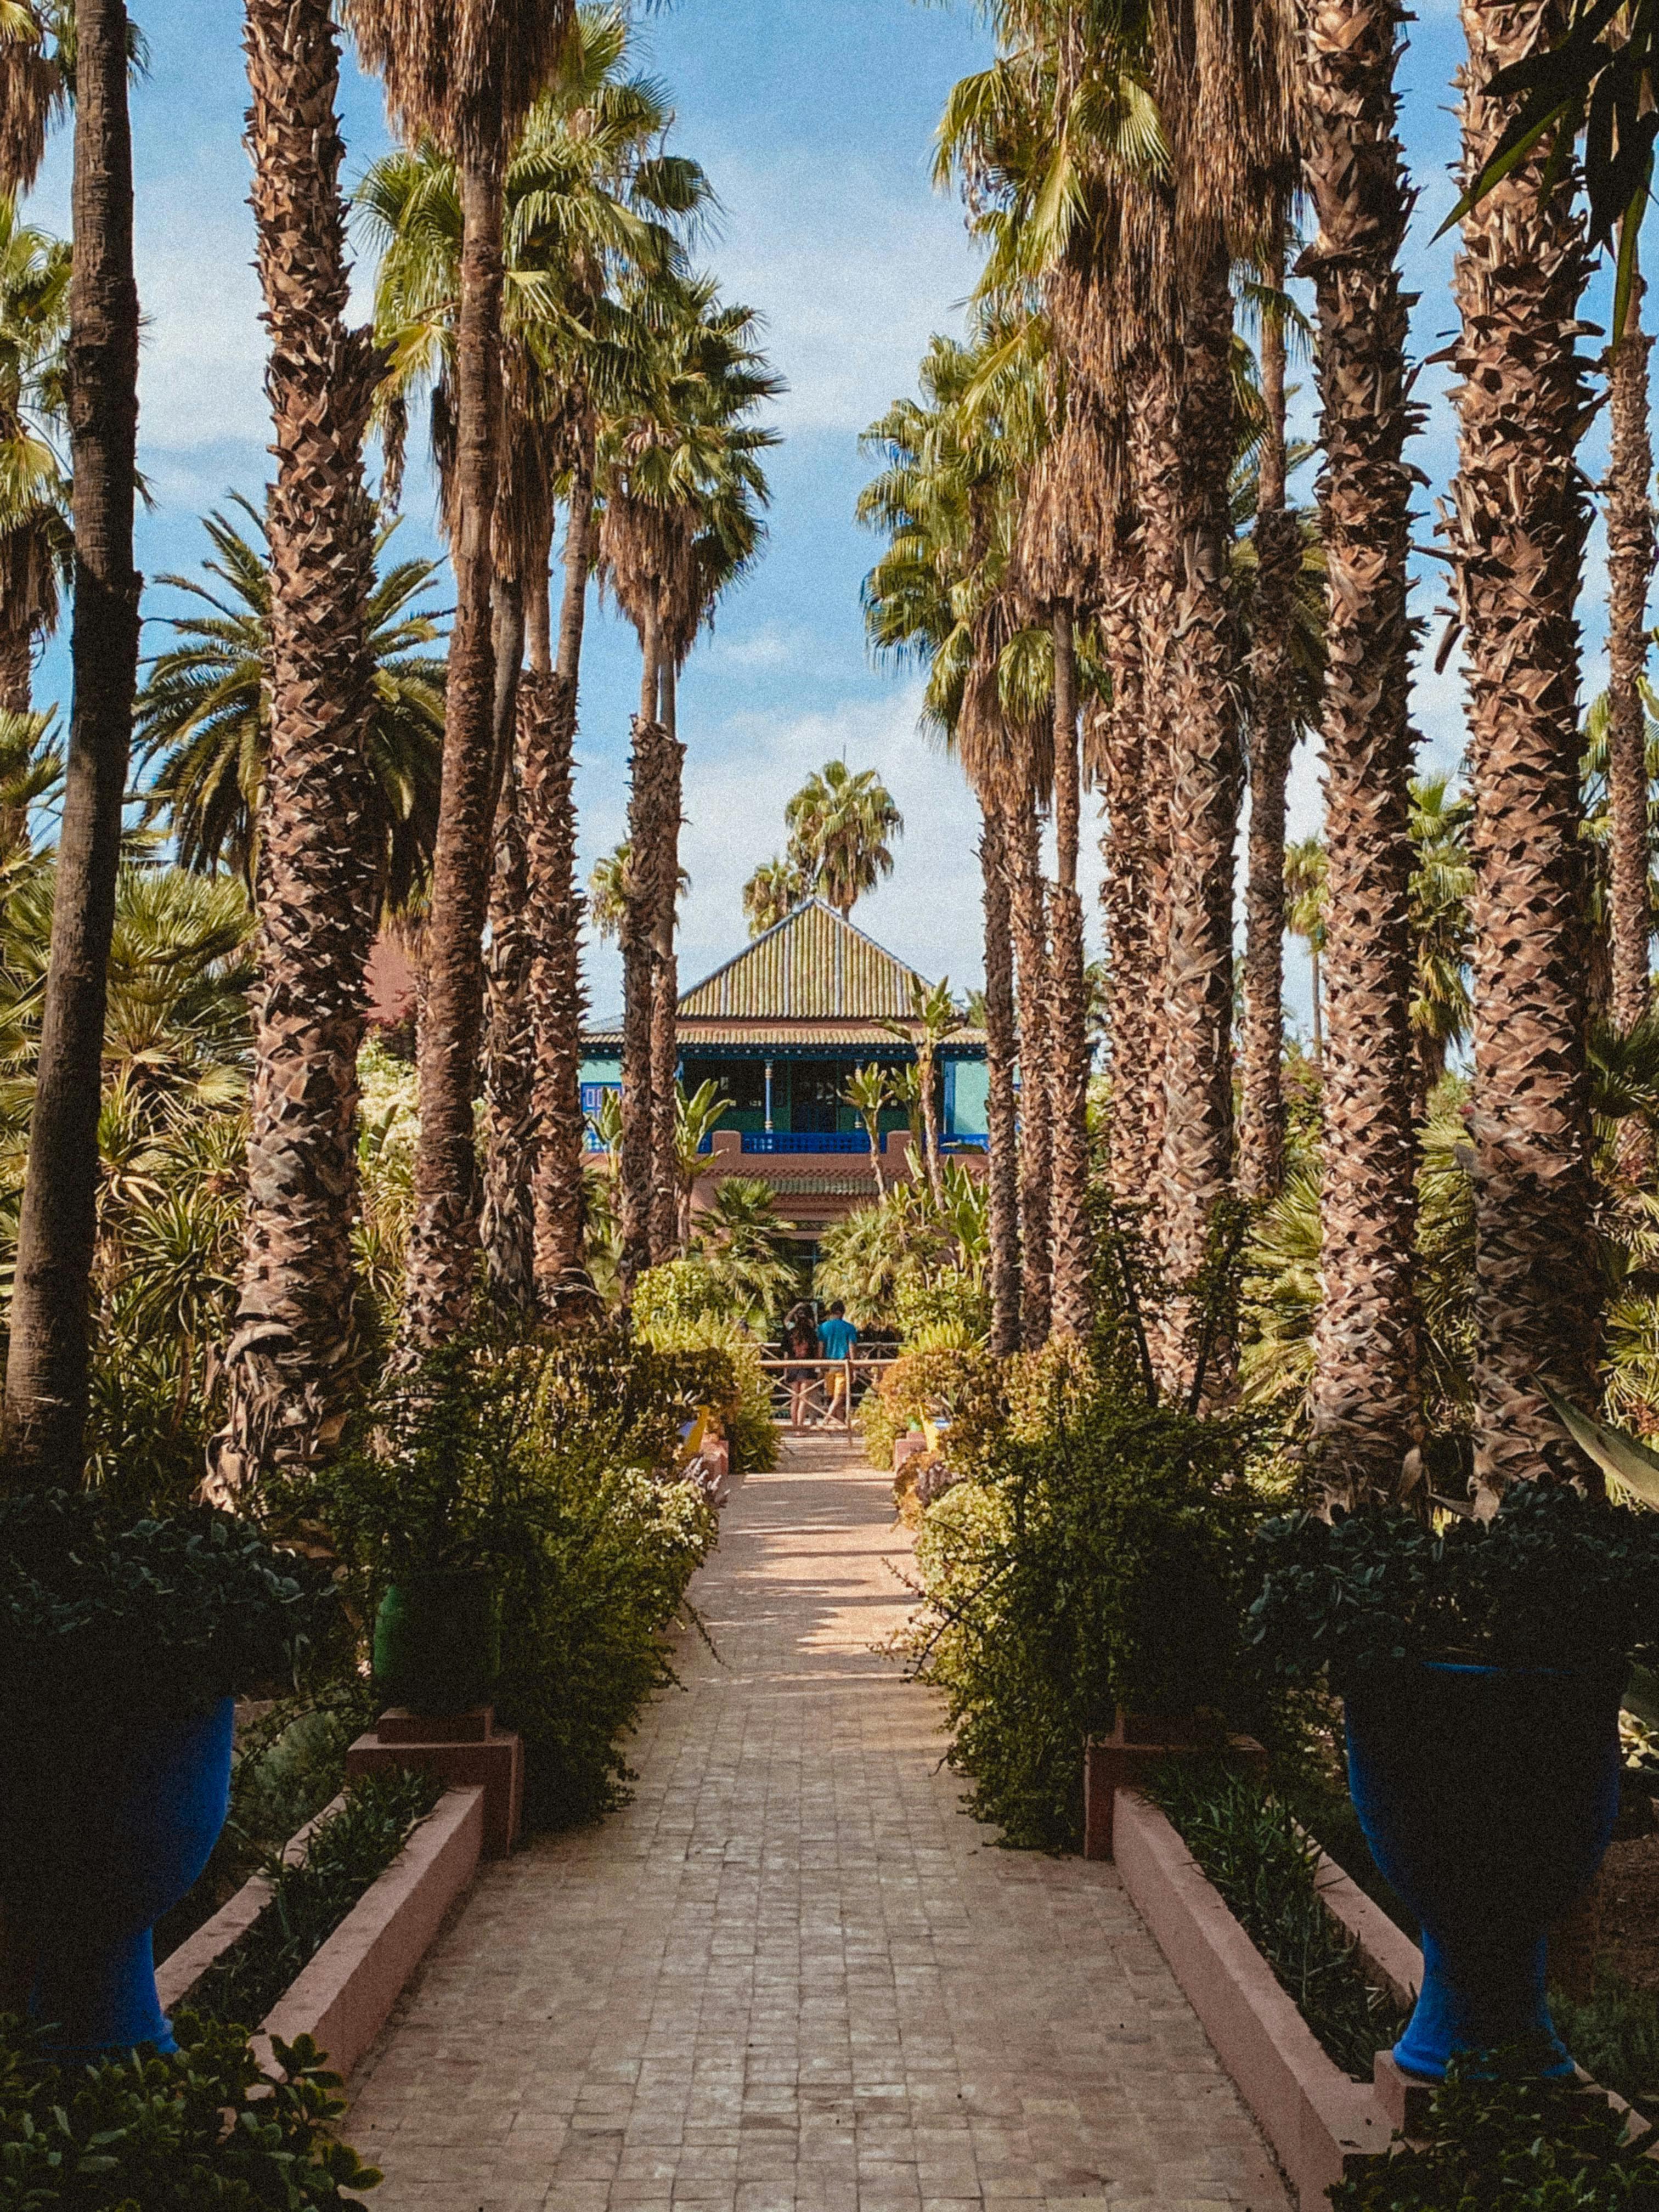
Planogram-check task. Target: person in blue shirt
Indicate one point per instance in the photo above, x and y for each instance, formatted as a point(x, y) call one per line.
point(836, 1337)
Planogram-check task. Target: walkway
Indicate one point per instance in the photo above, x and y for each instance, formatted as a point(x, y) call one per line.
point(792, 1974)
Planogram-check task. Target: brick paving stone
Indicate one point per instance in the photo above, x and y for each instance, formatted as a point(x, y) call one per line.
point(793, 1975)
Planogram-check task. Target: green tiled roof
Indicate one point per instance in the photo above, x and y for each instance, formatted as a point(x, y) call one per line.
point(810, 967)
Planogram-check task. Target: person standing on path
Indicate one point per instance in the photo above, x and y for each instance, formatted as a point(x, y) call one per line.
point(836, 1337)
point(800, 1345)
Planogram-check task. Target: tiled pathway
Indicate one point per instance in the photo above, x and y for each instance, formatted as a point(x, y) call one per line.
point(792, 1974)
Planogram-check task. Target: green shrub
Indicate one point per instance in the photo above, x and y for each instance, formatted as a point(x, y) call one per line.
point(1251, 1847)
point(143, 2133)
point(346, 1855)
point(717, 1364)
point(962, 1386)
point(1614, 2034)
point(555, 1461)
point(1104, 1564)
point(1510, 2145)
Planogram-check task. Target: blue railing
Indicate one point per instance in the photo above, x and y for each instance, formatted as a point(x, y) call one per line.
point(806, 1140)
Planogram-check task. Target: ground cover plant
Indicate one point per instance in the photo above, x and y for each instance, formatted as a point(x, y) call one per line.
point(205, 2131)
point(344, 1856)
point(1250, 1844)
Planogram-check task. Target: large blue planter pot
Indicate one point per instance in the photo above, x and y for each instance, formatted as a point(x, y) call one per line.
point(1488, 1795)
point(100, 1836)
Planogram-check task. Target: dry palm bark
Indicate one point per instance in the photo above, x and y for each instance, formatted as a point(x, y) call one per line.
point(46, 1364)
point(288, 1346)
point(1204, 769)
point(665, 1195)
point(1155, 453)
point(1030, 918)
point(1069, 1045)
point(1000, 1053)
point(508, 1227)
point(1517, 533)
point(1273, 738)
point(1630, 569)
point(548, 737)
point(1125, 889)
point(31, 88)
point(16, 668)
point(1366, 1406)
point(655, 782)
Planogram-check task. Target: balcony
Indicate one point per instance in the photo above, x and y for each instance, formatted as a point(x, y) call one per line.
point(806, 1140)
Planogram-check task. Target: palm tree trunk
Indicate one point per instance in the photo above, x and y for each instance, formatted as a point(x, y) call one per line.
point(548, 736)
point(664, 995)
point(46, 1364)
point(1196, 1164)
point(927, 1080)
point(443, 1241)
point(1156, 457)
point(1316, 986)
point(641, 914)
point(1366, 1407)
point(1069, 1041)
point(1126, 891)
point(1273, 738)
point(1003, 1164)
point(1519, 519)
point(1630, 566)
point(16, 667)
point(1031, 946)
point(508, 1224)
point(287, 1359)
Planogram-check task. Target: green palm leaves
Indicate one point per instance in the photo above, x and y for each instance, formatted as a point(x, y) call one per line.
point(34, 531)
point(203, 717)
point(840, 823)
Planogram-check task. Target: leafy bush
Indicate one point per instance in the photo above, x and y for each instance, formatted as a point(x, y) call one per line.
point(1613, 2033)
point(718, 1363)
point(563, 1454)
point(961, 1386)
point(1554, 1579)
point(1251, 1847)
point(1510, 2145)
point(190, 1609)
point(344, 1858)
point(922, 1305)
point(1104, 1564)
point(143, 2133)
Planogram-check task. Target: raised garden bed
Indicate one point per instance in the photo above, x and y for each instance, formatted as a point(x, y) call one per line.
point(344, 1993)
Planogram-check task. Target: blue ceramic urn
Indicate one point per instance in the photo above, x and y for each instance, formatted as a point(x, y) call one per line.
point(101, 1834)
point(1488, 1795)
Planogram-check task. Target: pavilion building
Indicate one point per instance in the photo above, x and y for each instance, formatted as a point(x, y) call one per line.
point(781, 1028)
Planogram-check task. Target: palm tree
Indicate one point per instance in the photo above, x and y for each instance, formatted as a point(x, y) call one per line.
point(869, 1088)
point(46, 1364)
point(745, 1246)
point(1305, 911)
point(287, 1355)
point(1517, 531)
point(1630, 522)
point(771, 894)
point(466, 73)
point(33, 89)
point(840, 823)
point(934, 1016)
point(35, 538)
point(696, 1120)
point(203, 715)
point(1366, 1403)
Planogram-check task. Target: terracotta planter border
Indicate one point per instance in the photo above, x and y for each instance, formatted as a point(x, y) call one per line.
point(1321, 2124)
point(342, 1996)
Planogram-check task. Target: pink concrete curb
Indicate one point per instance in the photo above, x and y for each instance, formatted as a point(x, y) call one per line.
point(1386, 1950)
point(1320, 2124)
point(180, 1971)
point(343, 1995)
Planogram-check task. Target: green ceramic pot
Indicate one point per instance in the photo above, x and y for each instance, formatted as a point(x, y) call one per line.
point(438, 1640)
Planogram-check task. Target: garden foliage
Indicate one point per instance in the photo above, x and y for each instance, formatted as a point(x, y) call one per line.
point(1101, 1561)
point(203, 2132)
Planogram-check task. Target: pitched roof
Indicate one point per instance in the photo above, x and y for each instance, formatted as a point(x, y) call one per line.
point(809, 967)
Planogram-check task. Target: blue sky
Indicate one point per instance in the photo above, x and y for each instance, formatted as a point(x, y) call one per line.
point(814, 118)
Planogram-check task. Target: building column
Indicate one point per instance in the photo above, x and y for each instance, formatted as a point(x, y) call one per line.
point(768, 1097)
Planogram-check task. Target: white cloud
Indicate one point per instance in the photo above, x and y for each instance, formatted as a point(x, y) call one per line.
point(201, 374)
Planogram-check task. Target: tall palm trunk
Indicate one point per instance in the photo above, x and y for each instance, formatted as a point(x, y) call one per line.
point(548, 726)
point(443, 1241)
point(288, 1351)
point(1126, 890)
point(1366, 1408)
point(507, 1226)
point(640, 923)
point(1196, 1162)
point(665, 995)
point(46, 1361)
point(1069, 1036)
point(1273, 738)
point(1156, 461)
point(1000, 1052)
point(1519, 518)
point(16, 666)
point(1630, 566)
point(1030, 919)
